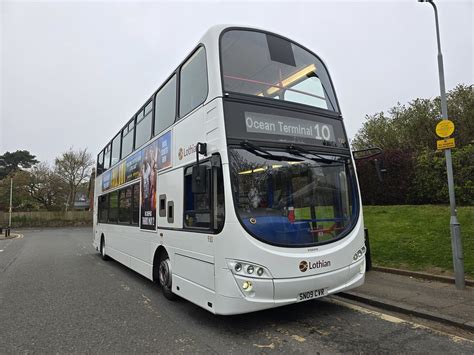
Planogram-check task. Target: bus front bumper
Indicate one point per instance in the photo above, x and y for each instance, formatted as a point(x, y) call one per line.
point(270, 293)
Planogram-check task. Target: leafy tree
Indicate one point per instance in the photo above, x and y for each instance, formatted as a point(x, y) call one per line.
point(73, 167)
point(430, 180)
point(416, 171)
point(46, 187)
point(11, 162)
point(21, 201)
point(412, 126)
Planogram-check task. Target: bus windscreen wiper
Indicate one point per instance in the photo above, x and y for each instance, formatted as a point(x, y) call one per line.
point(301, 152)
point(262, 153)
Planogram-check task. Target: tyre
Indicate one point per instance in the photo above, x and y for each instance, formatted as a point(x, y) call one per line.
point(165, 277)
point(102, 249)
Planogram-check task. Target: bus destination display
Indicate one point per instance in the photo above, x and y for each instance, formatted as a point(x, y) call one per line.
point(288, 126)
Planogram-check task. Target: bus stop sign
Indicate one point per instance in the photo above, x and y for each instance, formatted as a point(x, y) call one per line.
point(444, 128)
point(445, 143)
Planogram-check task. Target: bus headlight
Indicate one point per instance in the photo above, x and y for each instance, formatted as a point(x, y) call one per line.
point(247, 269)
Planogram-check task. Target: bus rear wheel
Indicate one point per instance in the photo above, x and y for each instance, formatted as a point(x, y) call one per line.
point(165, 277)
point(102, 249)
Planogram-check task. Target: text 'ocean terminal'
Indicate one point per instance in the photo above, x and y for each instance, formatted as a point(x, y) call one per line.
point(288, 126)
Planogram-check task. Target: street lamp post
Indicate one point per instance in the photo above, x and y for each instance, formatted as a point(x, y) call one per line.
point(455, 227)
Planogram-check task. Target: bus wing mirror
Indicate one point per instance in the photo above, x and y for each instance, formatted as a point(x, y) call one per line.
point(199, 176)
point(201, 148)
point(366, 153)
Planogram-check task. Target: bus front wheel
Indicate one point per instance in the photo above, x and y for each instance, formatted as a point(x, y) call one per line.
point(165, 277)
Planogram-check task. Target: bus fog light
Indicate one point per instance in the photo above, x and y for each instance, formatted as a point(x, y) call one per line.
point(247, 286)
point(238, 267)
point(250, 269)
point(259, 271)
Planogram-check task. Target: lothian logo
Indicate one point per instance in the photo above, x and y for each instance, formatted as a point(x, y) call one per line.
point(305, 265)
point(184, 152)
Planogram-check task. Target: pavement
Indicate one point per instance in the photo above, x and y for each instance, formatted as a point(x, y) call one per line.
point(429, 299)
point(11, 236)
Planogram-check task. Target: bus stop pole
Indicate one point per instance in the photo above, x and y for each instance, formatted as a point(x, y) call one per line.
point(455, 227)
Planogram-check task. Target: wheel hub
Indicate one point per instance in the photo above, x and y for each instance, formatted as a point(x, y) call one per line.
point(165, 273)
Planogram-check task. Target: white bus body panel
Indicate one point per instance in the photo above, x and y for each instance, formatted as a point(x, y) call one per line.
point(199, 260)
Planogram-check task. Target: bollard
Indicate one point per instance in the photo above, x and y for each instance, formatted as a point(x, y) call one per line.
point(1, 230)
point(368, 256)
point(7, 232)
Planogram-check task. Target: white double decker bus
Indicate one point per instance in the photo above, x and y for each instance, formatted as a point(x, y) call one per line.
point(234, 185)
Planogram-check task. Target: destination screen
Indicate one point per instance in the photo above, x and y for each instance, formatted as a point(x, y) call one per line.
point(288, 126)
point(263, 123)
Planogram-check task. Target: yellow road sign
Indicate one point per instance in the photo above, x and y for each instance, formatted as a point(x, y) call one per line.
point(445, 143)
point(444, 128)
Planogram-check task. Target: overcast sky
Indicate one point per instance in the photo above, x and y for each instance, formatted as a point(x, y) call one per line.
point(72, 73)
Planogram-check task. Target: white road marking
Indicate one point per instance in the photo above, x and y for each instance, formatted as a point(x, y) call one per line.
point(1, 250)
point(394, 319)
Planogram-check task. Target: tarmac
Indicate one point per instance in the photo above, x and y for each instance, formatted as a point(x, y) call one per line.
point(418, 294)
point(434, 300)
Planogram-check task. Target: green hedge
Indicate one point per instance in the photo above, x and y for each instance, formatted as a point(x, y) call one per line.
point(417, 179)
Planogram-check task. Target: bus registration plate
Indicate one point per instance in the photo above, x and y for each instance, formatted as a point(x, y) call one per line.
point(309, 295)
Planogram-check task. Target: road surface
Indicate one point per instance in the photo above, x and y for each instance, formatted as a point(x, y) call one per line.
point(58, 295)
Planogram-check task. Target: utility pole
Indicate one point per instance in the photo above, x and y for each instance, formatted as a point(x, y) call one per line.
point(455, 227)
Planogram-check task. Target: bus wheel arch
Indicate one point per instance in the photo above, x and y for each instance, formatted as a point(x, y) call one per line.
point(162, 274)
point(102, 247)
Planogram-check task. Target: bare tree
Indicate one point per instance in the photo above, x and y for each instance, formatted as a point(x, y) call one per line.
point(74, 168)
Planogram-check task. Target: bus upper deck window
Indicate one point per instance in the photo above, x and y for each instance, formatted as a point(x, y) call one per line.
point(274, 68)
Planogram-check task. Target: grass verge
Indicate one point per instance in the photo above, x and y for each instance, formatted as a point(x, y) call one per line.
point(418, 237)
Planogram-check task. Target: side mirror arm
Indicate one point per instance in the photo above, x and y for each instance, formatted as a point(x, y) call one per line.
point(201, 148)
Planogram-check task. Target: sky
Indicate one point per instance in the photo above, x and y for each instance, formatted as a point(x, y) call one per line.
point(73, 72)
